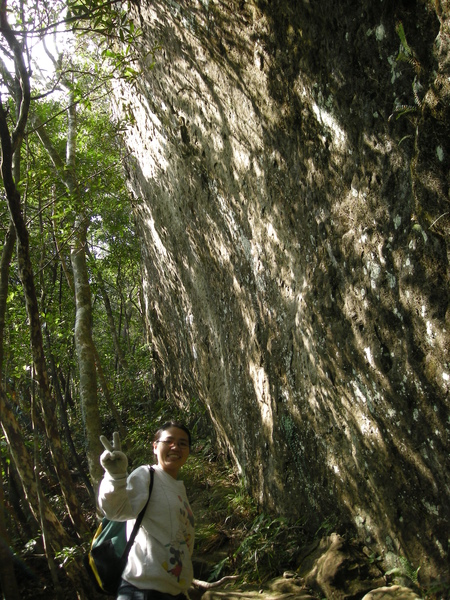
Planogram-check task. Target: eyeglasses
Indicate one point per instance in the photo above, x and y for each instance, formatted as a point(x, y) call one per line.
point(183, 444)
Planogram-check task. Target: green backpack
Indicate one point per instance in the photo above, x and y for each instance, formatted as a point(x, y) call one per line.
point(109, 550)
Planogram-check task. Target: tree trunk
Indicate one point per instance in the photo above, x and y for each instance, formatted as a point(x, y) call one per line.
point(7, 253)
point(83, 320)
point(7, 576)
point(109, 313)
point(85, 352)
point(65, 422)
point(24, 467)
point(18, 513)
point(46, 538)
point(109, 400)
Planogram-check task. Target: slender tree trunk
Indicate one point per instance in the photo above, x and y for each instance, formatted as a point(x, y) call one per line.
point(65, 422)
point(8, 580)
point(55, 379)
point(109, 400)
point(57, 537)
point(17, 505)
point(49, 553)
point(109, 313)
point(24, 467)
point(84, 343)
point(85, 352)
point(61, 257)
point(7, 254)
point(7, 576)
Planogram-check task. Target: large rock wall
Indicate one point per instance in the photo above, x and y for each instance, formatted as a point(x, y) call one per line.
point(294, 224)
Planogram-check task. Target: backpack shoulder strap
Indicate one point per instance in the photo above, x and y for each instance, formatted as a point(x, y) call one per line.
point(138, 521)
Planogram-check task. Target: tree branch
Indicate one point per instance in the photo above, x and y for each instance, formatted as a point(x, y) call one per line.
point(24, 77)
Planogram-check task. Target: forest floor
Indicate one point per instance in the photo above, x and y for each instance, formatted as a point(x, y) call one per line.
point(222, 512)
point(262, 555)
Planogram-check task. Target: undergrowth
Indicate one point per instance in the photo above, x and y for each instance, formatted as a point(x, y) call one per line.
point(232, 535)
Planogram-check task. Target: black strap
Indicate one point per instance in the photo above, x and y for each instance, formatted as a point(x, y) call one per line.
point(138, 521)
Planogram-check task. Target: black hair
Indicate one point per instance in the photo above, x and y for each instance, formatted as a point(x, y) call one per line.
point(169, 424)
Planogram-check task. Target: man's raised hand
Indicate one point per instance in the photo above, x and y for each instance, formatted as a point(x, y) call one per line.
point(113, 460)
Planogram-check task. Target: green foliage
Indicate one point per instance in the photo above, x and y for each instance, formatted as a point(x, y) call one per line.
point(31, 545)
point(231, 528)
point(269, 547)
point(328, 526)
point(437, 591)
point(51, 214)
point(405, 569)
point(106, 18)
point(114, 34)
point(406, 54)
point(69, 554)
point(217, 570)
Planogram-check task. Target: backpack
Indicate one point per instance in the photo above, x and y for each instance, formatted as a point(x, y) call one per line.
point(109, 550)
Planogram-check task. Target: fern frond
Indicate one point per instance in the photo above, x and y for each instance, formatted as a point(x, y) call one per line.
point(401, 34)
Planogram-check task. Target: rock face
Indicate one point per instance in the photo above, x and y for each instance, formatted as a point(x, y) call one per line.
point(290, 174)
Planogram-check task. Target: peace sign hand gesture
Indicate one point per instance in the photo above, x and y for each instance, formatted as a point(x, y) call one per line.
point(113, 460)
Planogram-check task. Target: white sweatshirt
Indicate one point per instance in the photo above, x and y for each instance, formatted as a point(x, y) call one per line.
point(160, 558)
